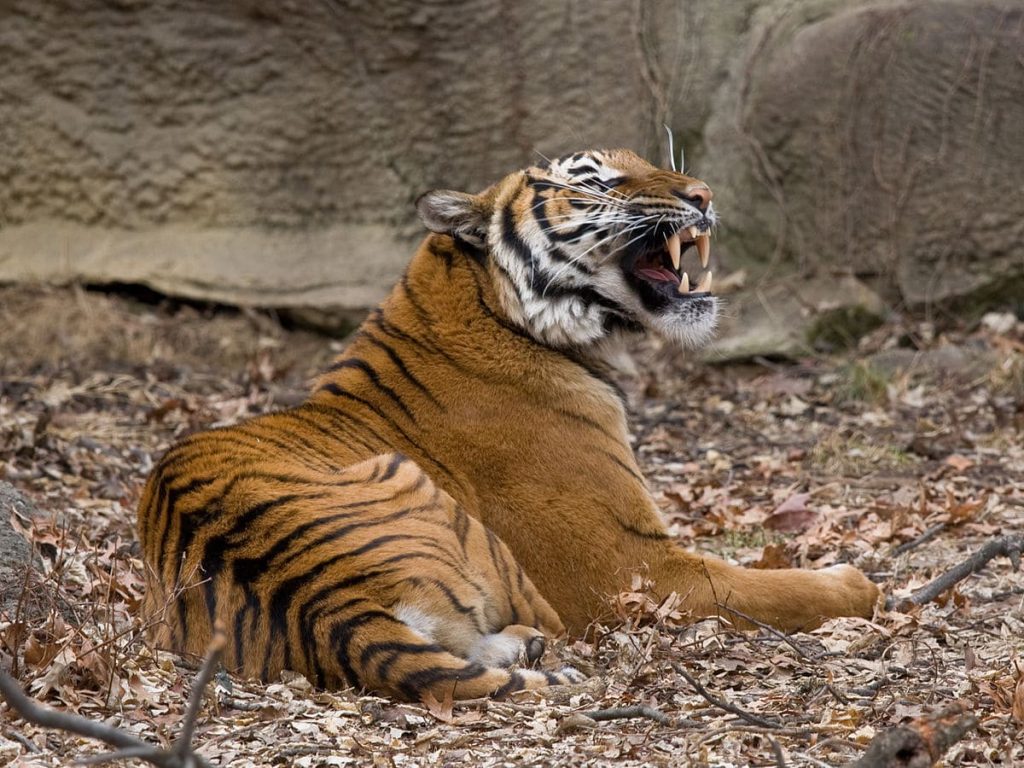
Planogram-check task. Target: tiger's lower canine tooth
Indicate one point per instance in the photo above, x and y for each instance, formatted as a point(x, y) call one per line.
point(673, 249)
point(704, 249)
point(684, 283)
point(704, 286)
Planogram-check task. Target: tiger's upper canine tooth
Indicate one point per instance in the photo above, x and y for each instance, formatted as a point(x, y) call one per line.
point(673, 249)
point(692, 232)
point(704, 249)
point(704, 286)
point(684, 283)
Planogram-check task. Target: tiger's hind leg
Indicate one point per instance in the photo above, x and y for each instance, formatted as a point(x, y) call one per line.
point(515, 644)
point(378, 580)
point(377, 650)
point(486, 612)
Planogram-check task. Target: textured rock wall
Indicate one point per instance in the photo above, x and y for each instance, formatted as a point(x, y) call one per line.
point(269, 153)
point(883, 139)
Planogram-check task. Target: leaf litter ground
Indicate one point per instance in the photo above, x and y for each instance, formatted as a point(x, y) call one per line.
point(902, 458)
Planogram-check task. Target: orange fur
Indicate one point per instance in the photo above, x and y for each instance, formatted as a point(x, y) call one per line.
point(389, 532)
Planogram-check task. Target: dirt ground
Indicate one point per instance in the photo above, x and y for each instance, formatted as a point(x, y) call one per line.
point(903, 457)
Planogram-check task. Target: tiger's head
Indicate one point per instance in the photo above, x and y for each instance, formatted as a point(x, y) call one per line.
point(591, 245)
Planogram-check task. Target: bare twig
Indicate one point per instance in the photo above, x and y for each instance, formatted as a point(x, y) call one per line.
point(299, 750)
point(871, 690)
point(921, 743)
point(780, 759)
point(22, 739)
point(148, 753)
point(181, 755)
point(925, 537)
point(1011, 592)
point(802, 732)
point(1007, 546)
point(488, 703)
point(242, 705)
point(722, 703)
point(626, 713)
point(836, 694)
point(50, 718)
point(800, 651)
point(29, 567)
point(183, 745)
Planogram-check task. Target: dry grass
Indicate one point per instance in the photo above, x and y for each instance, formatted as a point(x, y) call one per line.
point(49, 329)
point(855, 454)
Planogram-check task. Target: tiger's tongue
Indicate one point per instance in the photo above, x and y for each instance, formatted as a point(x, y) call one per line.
point(658, 274)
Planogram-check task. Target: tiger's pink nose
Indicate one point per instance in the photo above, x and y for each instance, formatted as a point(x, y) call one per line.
point(700, 195)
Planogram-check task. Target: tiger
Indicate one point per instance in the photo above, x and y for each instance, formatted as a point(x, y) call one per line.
point(459, 488)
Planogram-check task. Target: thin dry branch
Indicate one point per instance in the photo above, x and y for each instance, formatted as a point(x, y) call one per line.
point(22, 739)
point(780, 759)
point(183, 745)
point(924, 538)
point(50, 718)
point(626, 713)
point(722, 703)
point(800, 650)
point(1005, 546)
point(146, 753)
point(181, 755)
point(919, 744)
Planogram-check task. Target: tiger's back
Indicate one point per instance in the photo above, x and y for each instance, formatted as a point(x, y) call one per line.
point(365, 575)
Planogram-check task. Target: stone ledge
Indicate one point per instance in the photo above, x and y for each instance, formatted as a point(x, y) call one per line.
point(348, 267)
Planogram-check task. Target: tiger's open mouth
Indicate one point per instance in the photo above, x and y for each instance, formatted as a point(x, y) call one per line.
point(655, 270)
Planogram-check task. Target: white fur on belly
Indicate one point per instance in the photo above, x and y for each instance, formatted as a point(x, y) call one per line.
point(418, 621)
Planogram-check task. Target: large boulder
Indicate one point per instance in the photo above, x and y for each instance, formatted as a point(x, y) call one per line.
point(796, 317)
point(881, 140)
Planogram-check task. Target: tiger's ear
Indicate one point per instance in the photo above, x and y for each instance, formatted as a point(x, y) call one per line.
point(455, 213)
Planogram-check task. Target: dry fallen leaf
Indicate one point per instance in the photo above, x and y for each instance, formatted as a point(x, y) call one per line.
point(440, 709)
point(39, 653)
point(792, 515)
point(774, 556)
point(959, 463)
point(965, 511)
